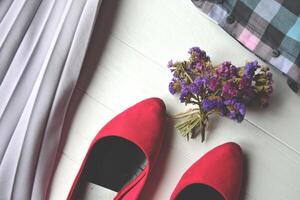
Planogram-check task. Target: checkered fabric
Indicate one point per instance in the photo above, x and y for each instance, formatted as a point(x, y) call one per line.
point(268, 28)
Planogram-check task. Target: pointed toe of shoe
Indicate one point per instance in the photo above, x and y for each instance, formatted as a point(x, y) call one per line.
point(155, 104)
point(142, 124)
point(140, 127)
point(220, 169)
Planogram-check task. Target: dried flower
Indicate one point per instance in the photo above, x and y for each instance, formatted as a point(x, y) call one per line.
point(222, 90)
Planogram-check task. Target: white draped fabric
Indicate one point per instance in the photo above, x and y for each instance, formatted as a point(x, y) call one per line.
point(42, 46)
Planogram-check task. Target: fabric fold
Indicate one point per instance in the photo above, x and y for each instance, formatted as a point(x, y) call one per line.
point(11, 44)
point(4, 6)
point(36, 83)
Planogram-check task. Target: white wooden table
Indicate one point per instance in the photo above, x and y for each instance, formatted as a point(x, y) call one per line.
point(126, 62)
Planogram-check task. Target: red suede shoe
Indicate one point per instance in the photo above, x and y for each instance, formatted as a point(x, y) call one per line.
point(216, 176)
point(123, 153)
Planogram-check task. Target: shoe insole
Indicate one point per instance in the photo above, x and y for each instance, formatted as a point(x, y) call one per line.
point(199, 192)
point(112, 164)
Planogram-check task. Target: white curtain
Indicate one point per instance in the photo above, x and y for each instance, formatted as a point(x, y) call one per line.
point(42, 46)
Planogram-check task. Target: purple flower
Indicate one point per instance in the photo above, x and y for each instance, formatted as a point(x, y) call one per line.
point(183, 83)
point(208, 105)
point(184, 94)
point(242, 108)
point(200, 81)
point(229, 90)
point(193, 88)
point(211, 104)
point(199, 66)
point(245, 82)
point(174, 86)
point(250, 68)
point(200, 54)
point(213, 84)
point(195, 50)
point(236, 110)
point(227, 70)
point(170, 64)
point(233, 70)
point(171, 88)
point(224, 67)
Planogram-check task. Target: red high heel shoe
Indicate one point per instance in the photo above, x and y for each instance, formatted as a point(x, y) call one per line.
point(124, 151)
point(216, 176)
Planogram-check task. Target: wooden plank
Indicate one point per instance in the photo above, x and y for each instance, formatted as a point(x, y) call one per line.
point(92, 119)
point(63, 178)
point(271, 169)
point(125, 64)
point(268, 163)
point(162, 30)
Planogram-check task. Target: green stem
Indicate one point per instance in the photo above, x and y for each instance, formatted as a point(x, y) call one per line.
point(185, 114)
point(204, 119)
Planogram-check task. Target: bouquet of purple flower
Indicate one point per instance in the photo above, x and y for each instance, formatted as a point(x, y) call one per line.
point(222, 90)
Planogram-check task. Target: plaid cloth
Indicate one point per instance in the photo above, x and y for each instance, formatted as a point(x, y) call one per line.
point(268, 28)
